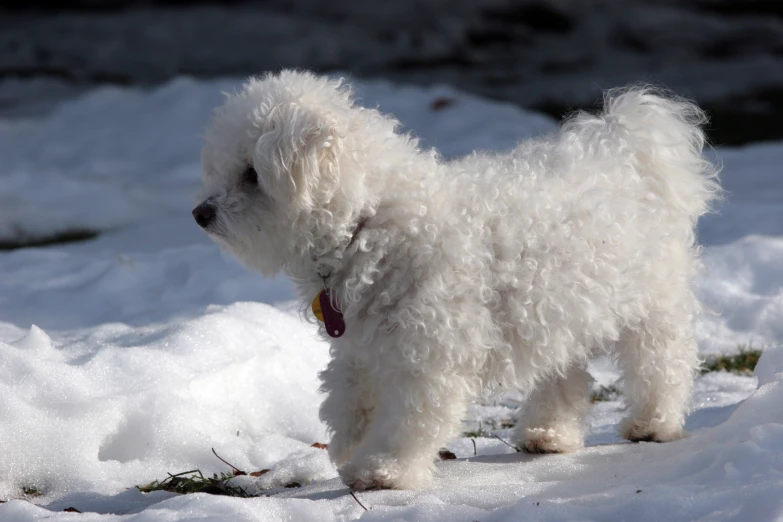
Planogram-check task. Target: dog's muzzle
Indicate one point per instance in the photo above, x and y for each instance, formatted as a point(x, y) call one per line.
point(204, 214)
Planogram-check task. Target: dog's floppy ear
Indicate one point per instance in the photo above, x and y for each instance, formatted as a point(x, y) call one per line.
point(299, 147)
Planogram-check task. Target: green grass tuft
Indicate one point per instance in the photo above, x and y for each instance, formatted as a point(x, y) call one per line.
point(742, 363)
point(59, 238)
point(605, 394)
point(480, 432)
point(195, 482)
point(31, 491)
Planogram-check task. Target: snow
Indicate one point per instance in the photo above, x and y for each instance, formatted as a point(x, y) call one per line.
point(135, 354)
point(770, 366)
point(744, 284)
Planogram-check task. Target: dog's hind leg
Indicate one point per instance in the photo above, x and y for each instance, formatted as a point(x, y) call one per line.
point(658, 360)
point(552, 419)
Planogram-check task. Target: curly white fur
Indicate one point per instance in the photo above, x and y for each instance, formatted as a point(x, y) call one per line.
point(509, 268)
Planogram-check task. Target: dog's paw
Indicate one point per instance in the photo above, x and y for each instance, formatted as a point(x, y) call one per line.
point(360, 485)
point(639, 431)
point(384, 472)
point(551, 440)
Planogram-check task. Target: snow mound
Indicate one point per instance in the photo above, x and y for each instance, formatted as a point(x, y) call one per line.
point(137, 288)
point(770, 366)
point(114, 406)
point(742, 289)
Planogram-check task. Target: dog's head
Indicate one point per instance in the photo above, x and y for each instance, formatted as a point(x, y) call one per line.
point(278, 181)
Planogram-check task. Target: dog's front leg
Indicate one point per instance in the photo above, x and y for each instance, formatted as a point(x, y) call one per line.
point(416, 412)
point(347, 408)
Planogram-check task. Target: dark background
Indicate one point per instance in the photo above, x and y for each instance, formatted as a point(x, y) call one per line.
point(553, 56)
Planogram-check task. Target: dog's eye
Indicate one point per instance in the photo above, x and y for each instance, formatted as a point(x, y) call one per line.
point(250, 176)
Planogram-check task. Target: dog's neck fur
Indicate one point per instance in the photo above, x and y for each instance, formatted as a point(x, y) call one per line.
point(326, 269)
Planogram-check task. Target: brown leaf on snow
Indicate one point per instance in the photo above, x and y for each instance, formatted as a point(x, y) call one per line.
point(319, 445)
point(446, 455)
point(259, 473)
point(441, 103)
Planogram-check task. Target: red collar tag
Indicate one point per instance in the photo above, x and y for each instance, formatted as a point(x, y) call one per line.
point(332, 317)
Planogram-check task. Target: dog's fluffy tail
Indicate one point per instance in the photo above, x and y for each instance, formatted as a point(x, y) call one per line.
point(665, 135)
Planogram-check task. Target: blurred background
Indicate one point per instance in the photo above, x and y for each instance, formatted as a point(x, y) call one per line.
point(548, 55)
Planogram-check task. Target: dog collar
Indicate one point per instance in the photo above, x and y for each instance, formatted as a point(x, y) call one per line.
point(359, 226)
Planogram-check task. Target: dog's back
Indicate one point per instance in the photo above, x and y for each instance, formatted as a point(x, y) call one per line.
point(589, 231)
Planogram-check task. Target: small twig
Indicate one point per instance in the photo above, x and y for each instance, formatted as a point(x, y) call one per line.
point(225, 462)
point(506, 443)
point(474, 447)
point(183, 473)
point(357, 500)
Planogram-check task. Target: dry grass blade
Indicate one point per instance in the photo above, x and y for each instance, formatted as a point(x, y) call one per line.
point(507, 443)
point(357, 501)
point(237, 471)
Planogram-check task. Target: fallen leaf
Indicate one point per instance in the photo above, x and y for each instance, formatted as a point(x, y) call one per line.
point(259, 473)
point(441, 103)
point(319, 445)
point(446, 455)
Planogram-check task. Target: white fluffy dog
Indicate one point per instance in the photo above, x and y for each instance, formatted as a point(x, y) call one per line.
point(509, 268)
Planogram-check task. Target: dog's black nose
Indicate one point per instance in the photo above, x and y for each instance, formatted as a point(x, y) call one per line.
point(204, 214)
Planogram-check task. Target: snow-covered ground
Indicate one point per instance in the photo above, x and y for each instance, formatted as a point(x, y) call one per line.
point(132, 355)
